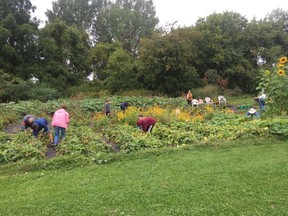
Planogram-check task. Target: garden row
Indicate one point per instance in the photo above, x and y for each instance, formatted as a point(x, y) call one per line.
point(93, 135)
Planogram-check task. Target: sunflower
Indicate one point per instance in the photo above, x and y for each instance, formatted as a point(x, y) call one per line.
point(281, 72)
point(280, 66)
point(283, 60)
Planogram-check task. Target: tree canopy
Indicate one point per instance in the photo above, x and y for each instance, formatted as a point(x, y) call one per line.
point(119, 46)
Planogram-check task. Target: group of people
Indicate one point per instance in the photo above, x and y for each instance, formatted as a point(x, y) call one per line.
point(107, 108)
point(198, 102)
point(146, 124)
point(60, 121)
point(252, 112)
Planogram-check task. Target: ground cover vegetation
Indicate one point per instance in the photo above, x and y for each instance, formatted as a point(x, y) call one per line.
point(92, 45)
point(96, 136)
point(242, 177)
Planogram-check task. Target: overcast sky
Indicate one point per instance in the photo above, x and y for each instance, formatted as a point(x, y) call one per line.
point(186, 12)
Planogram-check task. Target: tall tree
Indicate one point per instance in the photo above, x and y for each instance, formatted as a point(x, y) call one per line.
point(20, 9)
point(106, 21)
point(167, 62)
point(80, 13)
point(100, 55)
point(122, 72)
point(18, 40)
point(274, 35)
point(126, 21)
point(221, 48)
point(63, 55)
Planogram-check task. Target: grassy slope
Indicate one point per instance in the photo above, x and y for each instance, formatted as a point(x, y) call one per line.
point(244, 180)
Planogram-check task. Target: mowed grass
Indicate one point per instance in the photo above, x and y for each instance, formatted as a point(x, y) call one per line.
point(239, 180)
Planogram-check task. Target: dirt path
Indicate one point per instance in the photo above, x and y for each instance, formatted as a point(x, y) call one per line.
point(50, 153)
point(12, 129)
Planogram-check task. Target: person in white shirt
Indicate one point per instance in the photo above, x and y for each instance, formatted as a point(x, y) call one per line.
point(261, 100)
point(222, 100)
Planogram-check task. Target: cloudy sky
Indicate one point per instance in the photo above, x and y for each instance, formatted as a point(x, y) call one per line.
point(186, 12)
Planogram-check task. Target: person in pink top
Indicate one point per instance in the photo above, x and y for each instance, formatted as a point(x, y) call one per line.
point(60, 121)
point(146, 124)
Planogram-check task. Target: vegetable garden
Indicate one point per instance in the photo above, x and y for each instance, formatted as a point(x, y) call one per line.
point(97, 137)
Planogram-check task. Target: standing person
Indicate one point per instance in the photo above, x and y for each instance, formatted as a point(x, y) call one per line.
point(146, 124)
point(27, 121)
point(38, 125)
point(261, 100)
point(60, 121)
point(123, 106)
point(107, 108)
point(222, 100)
point(189, 97)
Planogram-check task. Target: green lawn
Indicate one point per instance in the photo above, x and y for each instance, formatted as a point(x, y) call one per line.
point(241, 100)
point(240, 180)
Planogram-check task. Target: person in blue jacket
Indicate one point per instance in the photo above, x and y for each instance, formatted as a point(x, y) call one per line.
point(124, 106)
point(38, 125)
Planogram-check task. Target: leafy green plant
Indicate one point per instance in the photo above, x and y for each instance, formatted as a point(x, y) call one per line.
point(275, 84)
point(82, 141)
point(23, 146)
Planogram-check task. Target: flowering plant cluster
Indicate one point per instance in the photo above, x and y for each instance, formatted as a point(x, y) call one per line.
point(275, 84)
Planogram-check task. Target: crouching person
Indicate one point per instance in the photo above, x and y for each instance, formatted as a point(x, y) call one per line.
point(27, 122)
point(39, 125)
point(146, 124)
point(252, 113)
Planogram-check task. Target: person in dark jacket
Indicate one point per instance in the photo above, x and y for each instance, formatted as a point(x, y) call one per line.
point(124, 106)
point(38, 125)
point(107, 108)
point(146, 124)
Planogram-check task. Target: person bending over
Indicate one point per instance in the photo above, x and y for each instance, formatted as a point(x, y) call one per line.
point(38, 125)
point(146, 124)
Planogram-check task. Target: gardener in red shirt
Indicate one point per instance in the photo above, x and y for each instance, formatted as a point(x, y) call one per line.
point(146, 124)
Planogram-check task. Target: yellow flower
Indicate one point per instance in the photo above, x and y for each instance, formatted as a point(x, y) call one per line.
point(155, 111)
point(120, 115)
point(283, 60)
point(280, 66)
point(281, 72)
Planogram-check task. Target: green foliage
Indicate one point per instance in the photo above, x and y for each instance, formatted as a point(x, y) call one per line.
point(122, 71)
point(15, 89)
point(166, 62)
point(211, 91)
point(275, 84)
point(18, 36)
point(117, 45)
point(129, 138)
point(138, 20)
point(64, 55)
point(82, 141)
point(22, 147)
